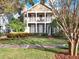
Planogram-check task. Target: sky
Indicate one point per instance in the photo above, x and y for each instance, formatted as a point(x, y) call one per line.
point(35, 1)
point(56, 3)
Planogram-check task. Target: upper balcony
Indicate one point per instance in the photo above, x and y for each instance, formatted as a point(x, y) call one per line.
point(38, 19)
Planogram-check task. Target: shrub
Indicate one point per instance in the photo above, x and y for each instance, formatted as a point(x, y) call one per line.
point(24, 34)
point(58, 34)
point(17, 34)
point(16, 25)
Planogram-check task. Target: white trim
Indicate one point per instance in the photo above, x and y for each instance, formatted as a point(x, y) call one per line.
point(39, 22)
point(39, 11)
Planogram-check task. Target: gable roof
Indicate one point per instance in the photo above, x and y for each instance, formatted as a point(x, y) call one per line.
point(40, 7)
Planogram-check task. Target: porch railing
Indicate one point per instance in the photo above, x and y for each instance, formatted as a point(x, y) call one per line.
point(38, 19)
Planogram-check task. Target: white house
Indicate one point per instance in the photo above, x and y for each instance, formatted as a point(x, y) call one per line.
point(3, 22)
point(38, 19)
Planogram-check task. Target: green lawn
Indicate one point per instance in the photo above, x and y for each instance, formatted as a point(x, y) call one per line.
point(20, 53)
point(10, 53)
point(34, 40)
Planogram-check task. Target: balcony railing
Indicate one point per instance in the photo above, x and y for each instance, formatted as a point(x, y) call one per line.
point(38, 19)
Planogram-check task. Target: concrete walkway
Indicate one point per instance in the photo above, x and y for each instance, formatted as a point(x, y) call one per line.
point(29, 46)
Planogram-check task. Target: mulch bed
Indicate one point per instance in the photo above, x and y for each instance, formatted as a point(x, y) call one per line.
point(65, 56)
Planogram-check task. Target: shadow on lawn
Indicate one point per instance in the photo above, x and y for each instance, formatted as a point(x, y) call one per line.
point(54, 50)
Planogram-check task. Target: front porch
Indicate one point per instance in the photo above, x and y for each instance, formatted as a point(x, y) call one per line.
point(39, 28)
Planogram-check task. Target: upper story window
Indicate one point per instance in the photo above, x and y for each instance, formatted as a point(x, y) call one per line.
point(40, 15)
point(48, 15)
point(31, 14)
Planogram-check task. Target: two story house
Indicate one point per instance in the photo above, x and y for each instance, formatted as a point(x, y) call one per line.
point(38, 19)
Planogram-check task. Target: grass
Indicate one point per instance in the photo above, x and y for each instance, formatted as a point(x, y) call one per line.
point(34, 40)
point(10, 53)
point(21, 53)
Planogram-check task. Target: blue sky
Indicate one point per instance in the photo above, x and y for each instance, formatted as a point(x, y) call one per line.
point(56, 4)
point(35, 1)
point(29, 5)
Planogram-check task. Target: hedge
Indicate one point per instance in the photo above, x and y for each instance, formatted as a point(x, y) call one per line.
point(18, 34)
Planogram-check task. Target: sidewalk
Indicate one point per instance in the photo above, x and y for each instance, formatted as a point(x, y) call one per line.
point(29, 46)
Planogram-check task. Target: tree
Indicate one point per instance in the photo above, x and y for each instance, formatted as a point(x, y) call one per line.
point(28, 1)
point(68, 20)
point(8, 6)
point(16, 25)
point(42, 1)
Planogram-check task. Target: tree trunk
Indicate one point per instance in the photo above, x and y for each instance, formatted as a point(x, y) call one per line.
point(76, 49)
point(73, 48)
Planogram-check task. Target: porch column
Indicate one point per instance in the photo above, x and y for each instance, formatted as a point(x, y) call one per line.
point(50, 31)
point(45, 17)
point(36, 27)
point(27, 27)
point(36, 21)
point(45, 28)
point(27, 16)
point(45, 22)
point(36, 16)
point(27, 19)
